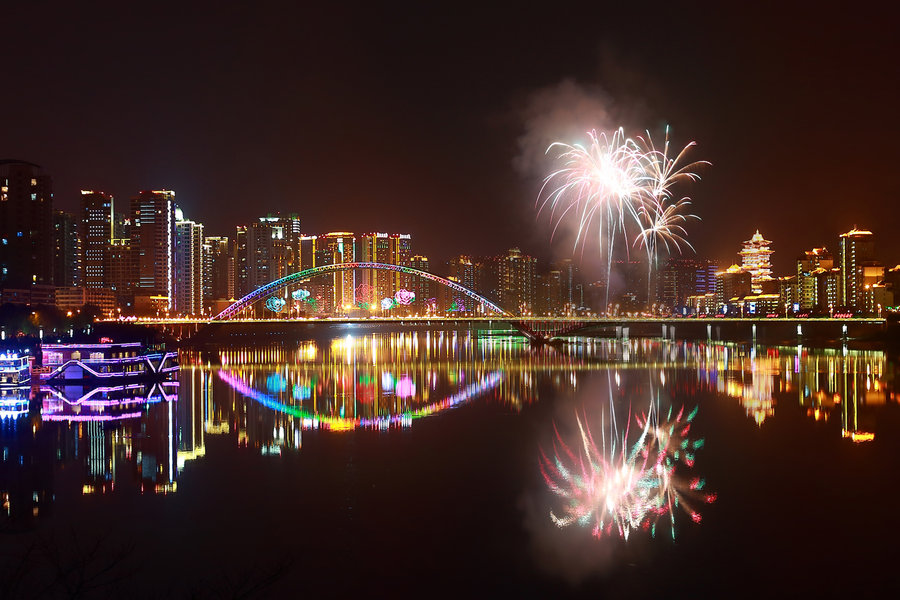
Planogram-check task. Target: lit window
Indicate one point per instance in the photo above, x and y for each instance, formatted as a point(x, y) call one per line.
point(18, 234)
point(34, 182)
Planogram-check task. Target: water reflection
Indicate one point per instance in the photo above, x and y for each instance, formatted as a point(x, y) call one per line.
point(265, 398)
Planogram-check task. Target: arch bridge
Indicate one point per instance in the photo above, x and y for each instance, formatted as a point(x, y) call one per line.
point(535, 330)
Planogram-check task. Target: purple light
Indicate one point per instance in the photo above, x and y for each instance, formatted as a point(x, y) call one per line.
point(52, 417)
point(406, 388)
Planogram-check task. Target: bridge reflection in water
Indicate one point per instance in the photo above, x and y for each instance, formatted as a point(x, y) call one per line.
point(265, 398)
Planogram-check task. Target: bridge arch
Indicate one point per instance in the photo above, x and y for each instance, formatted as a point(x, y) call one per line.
point(279, 284)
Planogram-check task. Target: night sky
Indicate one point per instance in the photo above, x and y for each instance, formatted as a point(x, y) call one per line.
point(427, 118)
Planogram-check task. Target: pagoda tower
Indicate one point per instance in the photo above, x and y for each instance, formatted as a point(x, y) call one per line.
point(755, 258)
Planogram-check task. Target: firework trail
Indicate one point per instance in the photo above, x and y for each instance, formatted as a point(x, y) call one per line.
point(619, 185)
point(614, 487)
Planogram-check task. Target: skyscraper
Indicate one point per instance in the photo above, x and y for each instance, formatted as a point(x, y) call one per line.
point(96, 234)
point(462, 270)
point(153, 237)
point(755, 257)
point(66, 250)
point(421, 287)
point(26, 225)
point(189, 266)
point(857, 247)
point(218, 272)
point(810, 266)
point(267, 250)
point(516, 281)
point(331, 249)
point(385, 248)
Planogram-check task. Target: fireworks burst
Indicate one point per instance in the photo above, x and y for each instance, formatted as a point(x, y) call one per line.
point(614, 488)
point(619, 185)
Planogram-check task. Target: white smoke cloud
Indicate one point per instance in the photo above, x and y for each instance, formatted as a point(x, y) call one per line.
point(560, 113)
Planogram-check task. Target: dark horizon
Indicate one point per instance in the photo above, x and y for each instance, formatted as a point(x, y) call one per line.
point(361, 119)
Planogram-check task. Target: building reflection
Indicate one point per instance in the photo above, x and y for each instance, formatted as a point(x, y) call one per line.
point(826, 383)
point(264, 399)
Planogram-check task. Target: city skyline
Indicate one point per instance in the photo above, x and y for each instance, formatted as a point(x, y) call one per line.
point(340, 113)
point(155, 261)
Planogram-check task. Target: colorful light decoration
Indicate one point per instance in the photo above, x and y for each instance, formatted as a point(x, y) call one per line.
point(275, 304)
point(404, 297)
point(365, 295)
point(387, 303)
point(300, 295)
point(458, 305)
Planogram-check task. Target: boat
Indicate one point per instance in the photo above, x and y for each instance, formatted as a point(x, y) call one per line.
point(105, 362)
point(15, 370)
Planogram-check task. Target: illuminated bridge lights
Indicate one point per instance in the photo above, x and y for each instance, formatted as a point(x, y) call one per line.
point(278, 285)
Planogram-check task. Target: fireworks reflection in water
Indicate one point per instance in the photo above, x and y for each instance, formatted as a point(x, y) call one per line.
point(633, 477)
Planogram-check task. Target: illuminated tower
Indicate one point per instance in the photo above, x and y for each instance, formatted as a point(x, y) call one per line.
point(755, 257)
point(857, 247)
point(96, 233)
point(153, 237)
point(26, 225)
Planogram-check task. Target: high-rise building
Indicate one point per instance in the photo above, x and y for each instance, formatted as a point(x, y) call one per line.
point(548, 292)
point(121, 272)
point(756, 259)
point(26, 225)
point(516, 281)
point(189, 267)
point(421, 287)
point(307, 252)
point(732, 284)
point(267, 250)
point(462, 270)
point(239, 262)
point(331, 249)
point(809, 267)
point(857, 247)
point(153, 237)
point(66, 250)
point(385, 248)
point(96, 234)
point(400, 253)
point(571, 286)
point(682, 278)
point(273, 249)
point(218, 272)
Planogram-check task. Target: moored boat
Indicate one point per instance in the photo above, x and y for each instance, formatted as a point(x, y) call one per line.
point(15, 369)
point(108, 362)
